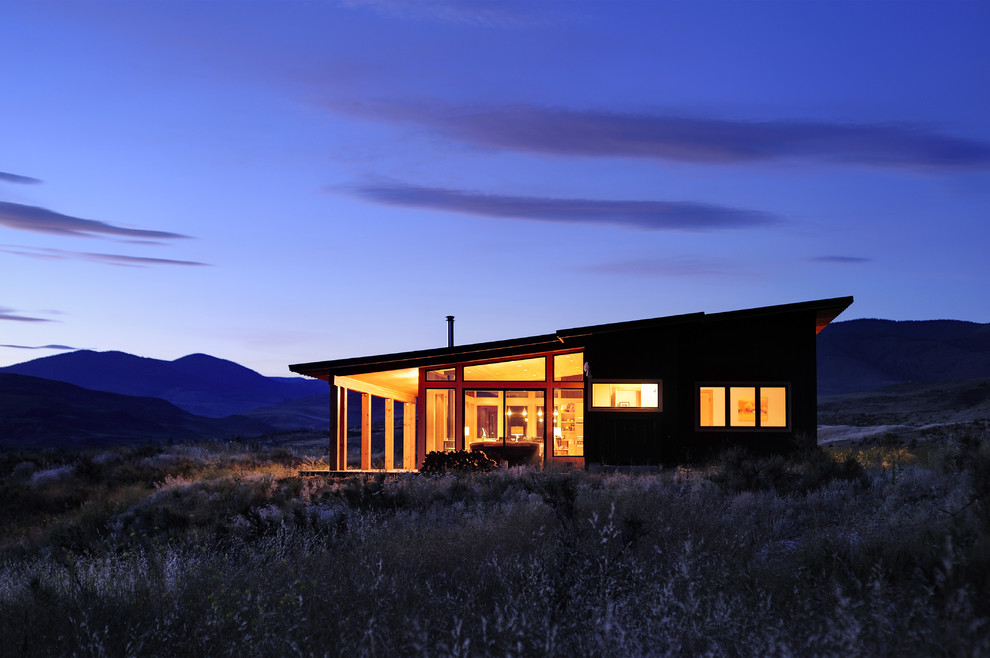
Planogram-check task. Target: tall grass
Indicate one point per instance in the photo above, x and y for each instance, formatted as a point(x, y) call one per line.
point(222, 550)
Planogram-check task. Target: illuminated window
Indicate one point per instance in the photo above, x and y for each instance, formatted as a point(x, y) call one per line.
point(741, 407)
point(773, 406)
point(568, 422)
point(520, 370)
point(440, 420)
point(441, 375)
point(712, 405)
point(568, 367)
point(642, 396)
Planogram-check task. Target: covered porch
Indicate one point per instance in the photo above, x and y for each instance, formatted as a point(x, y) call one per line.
point(398, 389)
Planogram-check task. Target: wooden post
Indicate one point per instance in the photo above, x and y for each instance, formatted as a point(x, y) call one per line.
point(389, 434)
point(365, 432)
point(342, 430)
point(334, 451)
point(409, 436)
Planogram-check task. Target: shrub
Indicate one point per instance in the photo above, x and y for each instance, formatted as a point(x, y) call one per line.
point(459, 461)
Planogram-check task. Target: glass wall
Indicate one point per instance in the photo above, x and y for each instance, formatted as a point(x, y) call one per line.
point(440, 419)
point(518, 370)
point(568, 422)
point(497, 418)
point(568, 367)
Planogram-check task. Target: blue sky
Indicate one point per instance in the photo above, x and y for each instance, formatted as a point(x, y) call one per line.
point(280, 181)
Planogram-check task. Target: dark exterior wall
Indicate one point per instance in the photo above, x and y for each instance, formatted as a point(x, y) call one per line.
point(778, 348)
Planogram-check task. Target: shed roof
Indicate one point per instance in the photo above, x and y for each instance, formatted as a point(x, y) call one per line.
point(825, 311)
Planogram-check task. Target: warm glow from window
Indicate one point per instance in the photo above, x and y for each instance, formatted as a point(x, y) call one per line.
point(626, 395)
point(500, 416)
point(440, 419)
point(738, 406)
point(742, 406)
point(441, 375)
point(568, 367)
point(773, 406)
point(712, 406)
point(568, 422)
point(520, 370)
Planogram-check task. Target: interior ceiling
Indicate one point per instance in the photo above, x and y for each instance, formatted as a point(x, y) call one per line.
point(520, 370)
point(404, 381)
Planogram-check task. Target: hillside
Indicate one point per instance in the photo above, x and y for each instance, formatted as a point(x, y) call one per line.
point(38, 412)
point(866, 355)
point(198, 383)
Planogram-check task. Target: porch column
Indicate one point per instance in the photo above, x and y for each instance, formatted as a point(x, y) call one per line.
point(341, 428)
point(333, 450)
point(365, 432)
point(409, 436)
point(389, 434)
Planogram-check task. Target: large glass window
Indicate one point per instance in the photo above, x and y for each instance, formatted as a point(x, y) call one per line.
point(440, 420)
point(568, 422)
point(519, 370)
point(568, 367)
point(742, 406)
point(626, 395)
point(499, 418)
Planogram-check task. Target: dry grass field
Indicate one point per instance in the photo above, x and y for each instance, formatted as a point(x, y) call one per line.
point(220, 549)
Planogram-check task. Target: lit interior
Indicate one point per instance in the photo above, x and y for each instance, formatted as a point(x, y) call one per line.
point(712, 405)
point(738, 404)
point(636, 395)
point(742, 406)
point(568, 422)
point(494, 417)
point(568, 367)
point(773, 406)
point(440, 420)
point(519, 370)
point(441, 375)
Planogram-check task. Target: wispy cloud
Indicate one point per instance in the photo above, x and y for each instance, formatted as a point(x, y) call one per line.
point(12, 315)
point(42, 347)
point(642, 215)
point(106, 259)
point(501, 13)
point(41, 220)
point(16, 178)
point(686, 138)
point(661, 267)
point(840, 260)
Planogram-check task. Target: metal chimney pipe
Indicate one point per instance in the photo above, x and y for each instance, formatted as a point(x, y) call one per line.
point(450, 331)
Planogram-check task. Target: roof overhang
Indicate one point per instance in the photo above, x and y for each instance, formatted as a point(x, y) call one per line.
point(825, 310)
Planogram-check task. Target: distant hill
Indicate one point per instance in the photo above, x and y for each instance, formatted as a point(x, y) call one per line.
point(38, 412)
point(198, 383)
point(866, 355)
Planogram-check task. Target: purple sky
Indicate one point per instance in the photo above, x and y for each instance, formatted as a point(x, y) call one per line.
point(278, 181)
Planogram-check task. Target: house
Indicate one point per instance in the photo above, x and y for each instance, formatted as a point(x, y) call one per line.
point(657, 391)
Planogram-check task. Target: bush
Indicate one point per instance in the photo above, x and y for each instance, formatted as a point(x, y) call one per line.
point(460, 461)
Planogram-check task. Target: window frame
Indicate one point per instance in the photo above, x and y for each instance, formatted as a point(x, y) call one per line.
point(726, 387)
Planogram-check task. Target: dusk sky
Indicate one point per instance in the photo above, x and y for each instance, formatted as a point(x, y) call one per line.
point(282, 181)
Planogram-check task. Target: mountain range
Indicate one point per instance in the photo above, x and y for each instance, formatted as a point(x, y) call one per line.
point(88, 397)
point(866, 355)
